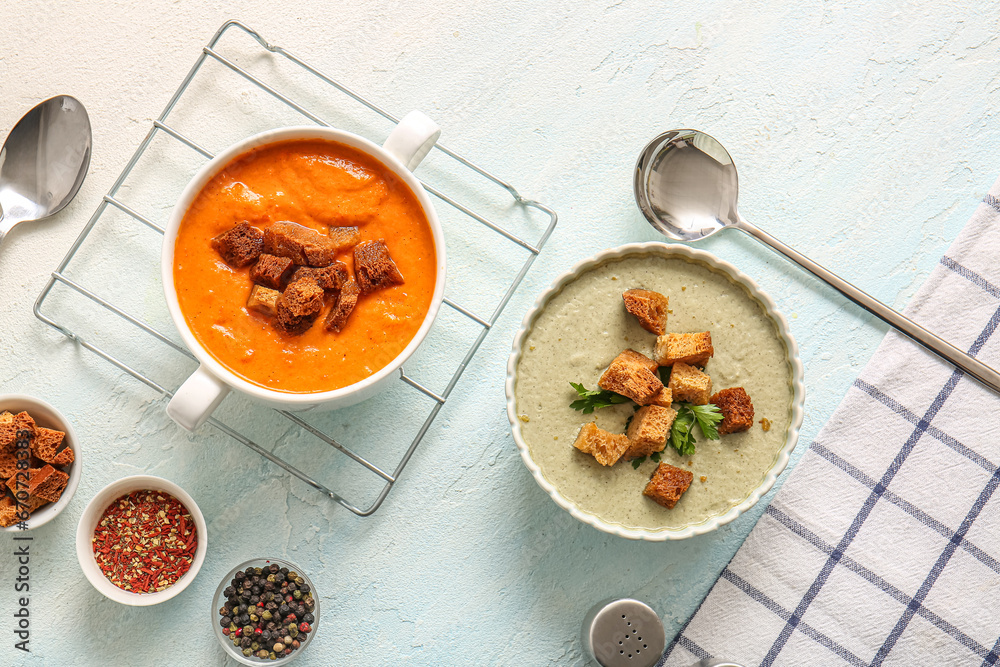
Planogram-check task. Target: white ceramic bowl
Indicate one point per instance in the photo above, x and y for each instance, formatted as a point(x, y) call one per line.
point(95, 510)
point(204, 390)
point(227, 643)
point(781, 458)
point(47, 416)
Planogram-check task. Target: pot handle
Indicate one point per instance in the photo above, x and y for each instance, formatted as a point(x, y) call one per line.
point(196, 399)
point(412, 139)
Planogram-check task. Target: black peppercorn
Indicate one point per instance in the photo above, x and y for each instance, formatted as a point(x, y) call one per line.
point(308, 618)
point(266, 606)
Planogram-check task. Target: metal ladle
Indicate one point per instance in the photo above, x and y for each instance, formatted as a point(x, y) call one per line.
point(686, 186)
point(43, 162)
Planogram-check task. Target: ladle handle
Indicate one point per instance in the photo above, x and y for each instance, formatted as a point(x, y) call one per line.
point(938, 346)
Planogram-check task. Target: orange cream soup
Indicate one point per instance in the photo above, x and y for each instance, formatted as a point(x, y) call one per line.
point(317, 184)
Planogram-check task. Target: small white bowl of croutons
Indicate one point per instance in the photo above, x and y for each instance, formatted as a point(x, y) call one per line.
point(654, 391)
point(39, 462)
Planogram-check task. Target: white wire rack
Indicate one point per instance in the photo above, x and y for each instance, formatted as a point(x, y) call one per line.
point(150, 324)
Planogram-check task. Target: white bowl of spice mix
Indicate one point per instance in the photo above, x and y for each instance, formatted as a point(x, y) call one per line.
point(141, 540)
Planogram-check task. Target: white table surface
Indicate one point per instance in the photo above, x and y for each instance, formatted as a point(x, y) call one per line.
point(866, 134)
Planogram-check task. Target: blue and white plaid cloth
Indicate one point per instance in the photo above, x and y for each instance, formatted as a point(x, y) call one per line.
point(883, 545)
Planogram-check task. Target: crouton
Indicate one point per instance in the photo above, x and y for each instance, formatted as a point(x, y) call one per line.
point(10, 427)
point(649, 307)
point(330, 278)
point(264, 300)
point(52, 484)
point(342, 309)
point(46, 447)
point(374, 268)
point(272, 271)
point(689, 384)
point(632, 375)
point(606, 447)
point(45, 483)
point(633, 356)
point(240, 246)
point(689, 348)
point(588, 435)
point(8, 512)
point(302, 245)
point(736, 408)
point(668, 484)
point(298, 307)
point(649, 430)
point(663, 398)
point(344, 237)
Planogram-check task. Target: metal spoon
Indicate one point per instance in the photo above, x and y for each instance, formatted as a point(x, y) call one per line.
point(686, 186)
point(43, 162)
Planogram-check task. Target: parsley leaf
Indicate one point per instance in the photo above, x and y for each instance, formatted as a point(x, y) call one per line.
point(664, 373)
point(708, 416)
point(655, 456)
point(682, 431)
point(637, 462)
point(594, 399)
point(681, 437)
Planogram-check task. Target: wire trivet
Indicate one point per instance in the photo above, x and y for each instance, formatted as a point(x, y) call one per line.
point(138, 307)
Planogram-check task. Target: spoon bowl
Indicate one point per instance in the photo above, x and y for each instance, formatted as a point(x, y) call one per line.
point(43, 161)
point(686, 186)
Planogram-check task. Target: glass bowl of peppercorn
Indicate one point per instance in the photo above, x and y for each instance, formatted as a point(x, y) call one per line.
point(265, 610)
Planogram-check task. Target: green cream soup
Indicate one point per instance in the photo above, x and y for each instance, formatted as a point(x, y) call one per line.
point(585, 326)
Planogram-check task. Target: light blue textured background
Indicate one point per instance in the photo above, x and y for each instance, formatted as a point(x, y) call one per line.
point(865, 134)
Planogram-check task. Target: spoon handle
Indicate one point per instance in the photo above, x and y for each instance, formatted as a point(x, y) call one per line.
point(939, 346)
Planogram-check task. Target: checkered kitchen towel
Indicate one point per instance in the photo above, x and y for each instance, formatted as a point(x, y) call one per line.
point(883, 545)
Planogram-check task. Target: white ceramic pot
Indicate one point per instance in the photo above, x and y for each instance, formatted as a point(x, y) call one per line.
point(202, 392)
point(797, 393)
